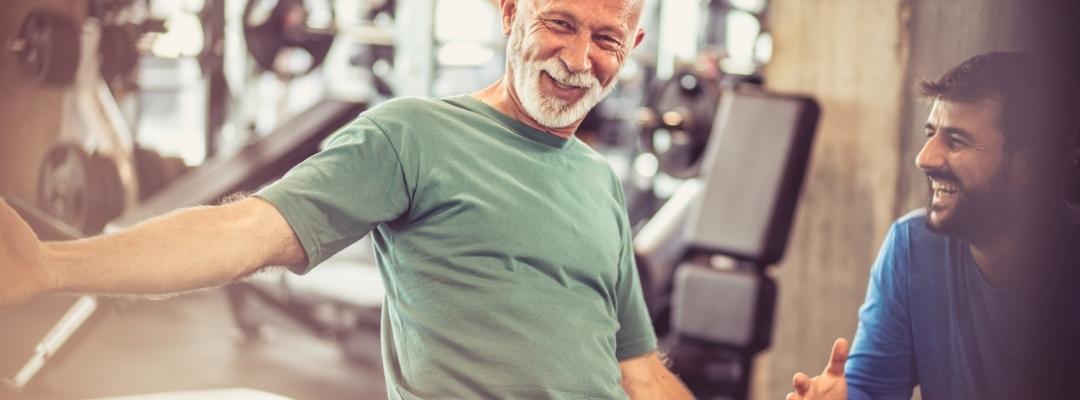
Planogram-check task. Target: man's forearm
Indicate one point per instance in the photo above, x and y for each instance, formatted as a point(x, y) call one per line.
point(647, 378)
point(665, 385)
point(186, 250)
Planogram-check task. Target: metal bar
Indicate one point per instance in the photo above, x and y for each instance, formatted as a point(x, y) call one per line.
point(75, 317)
point(213, 60)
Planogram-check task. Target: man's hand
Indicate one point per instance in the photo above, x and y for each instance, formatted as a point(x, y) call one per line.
point(22, 275)
point(830, 385)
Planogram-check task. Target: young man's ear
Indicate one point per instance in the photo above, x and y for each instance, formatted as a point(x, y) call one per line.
point(508, 8)
point(1023, 167)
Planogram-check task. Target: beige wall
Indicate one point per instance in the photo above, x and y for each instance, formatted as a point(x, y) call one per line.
point(29, 116)
point(860, 59)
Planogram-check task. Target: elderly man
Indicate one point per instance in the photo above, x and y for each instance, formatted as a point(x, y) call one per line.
point(502, 240)
point(970, 297)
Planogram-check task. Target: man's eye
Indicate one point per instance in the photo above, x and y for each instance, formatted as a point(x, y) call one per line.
point(955, 142)
point(561, 23)
point(610, 41)
point(929, 133)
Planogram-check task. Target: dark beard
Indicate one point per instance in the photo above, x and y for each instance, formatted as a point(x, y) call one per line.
point(979, 212)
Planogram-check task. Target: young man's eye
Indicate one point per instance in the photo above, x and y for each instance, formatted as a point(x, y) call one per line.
point(956, 142)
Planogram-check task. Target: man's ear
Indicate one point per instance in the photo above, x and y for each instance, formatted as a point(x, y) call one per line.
point(508, 8)
point(1023, 167)
point(639, 37)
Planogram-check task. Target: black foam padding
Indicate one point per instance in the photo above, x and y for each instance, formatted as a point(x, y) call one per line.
point(753, 171)
point(732, 308)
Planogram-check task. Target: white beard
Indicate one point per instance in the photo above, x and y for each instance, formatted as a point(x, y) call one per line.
point(551, 111)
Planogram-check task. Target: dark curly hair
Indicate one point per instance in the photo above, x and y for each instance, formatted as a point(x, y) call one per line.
point(1036, 109)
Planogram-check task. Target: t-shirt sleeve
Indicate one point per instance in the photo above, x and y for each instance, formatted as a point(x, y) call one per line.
point(635, 336)
point(881, 362)
point(337, 196)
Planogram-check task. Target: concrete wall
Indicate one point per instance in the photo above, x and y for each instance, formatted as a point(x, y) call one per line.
point(30, 117)
point(860, 59)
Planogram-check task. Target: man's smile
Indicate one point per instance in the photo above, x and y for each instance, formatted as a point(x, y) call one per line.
point(945, 193)
point(560, 89)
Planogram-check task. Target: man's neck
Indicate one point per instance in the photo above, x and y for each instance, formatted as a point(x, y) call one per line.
point(501, 97)
point(996, 258)
point(1014, 256)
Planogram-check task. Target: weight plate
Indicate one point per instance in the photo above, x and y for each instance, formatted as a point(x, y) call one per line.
point(155, 171)
point(108, 189)
point(678, 123)
point(274, 28)
point(80, 189)
point(63, 184)
point(47, 48)
point(118, 54)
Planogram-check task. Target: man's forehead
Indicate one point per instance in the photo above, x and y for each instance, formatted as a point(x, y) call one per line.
point(626, 12)
point(966, 110)
point(975, 116)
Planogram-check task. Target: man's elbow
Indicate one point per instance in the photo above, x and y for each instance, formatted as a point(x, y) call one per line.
point(270, 238)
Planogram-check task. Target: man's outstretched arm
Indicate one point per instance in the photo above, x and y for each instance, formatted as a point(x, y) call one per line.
point(185, 250)
point(646, 377)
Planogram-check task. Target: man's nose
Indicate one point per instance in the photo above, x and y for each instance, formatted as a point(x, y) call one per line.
point(576, 55)
point(932, 155)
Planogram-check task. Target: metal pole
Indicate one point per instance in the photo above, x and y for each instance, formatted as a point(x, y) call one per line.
point(75, 317)
point(213, 62)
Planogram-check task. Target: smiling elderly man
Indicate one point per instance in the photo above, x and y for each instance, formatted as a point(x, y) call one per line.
point(503, 241)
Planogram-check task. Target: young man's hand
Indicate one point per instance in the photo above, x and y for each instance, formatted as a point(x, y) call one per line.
point(830, 385)
point(22, 273)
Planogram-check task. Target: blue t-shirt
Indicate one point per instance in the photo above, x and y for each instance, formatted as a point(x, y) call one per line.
point(931, 319)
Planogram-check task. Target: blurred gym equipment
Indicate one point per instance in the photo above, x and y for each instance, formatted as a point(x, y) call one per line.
point(82, 190)
point(47, 48)
point(704, 255)
point(96, 172)
point(677, 122)
point(273, 28)
point(252, 167)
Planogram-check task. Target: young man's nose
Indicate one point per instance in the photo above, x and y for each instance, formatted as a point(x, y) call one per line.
point(932, 155)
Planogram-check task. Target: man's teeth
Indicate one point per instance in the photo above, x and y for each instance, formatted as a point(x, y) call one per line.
point(946, 188)
point(564, 86)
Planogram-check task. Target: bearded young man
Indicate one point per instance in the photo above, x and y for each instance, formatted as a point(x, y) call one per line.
point(972, 297)
point(502, 240)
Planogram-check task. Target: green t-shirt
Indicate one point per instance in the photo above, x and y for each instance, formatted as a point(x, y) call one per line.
point(505, 251)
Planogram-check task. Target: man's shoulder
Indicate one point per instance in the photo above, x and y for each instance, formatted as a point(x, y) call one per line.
point(408, 108)
point(913, 226)
point(592, 155)
point(913, 217)
point(911, 236)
